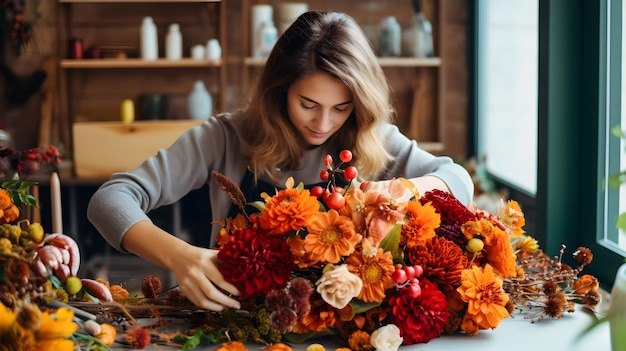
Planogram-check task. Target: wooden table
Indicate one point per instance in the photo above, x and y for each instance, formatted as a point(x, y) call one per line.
point(516, 333)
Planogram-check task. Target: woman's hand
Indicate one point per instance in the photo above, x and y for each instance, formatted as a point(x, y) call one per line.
point(195, 268)
point(198, 278)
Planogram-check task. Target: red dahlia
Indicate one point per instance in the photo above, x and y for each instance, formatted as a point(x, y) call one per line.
point(452, 210)
point(255, 262)
point(420, 319)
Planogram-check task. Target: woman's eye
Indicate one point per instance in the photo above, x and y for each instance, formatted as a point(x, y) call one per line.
point(306, 107)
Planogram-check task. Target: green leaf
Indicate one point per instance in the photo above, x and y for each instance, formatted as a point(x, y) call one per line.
point(391, 242)
point(360, 306)
point(201, 339)
point(259, 205)
point(298, 338)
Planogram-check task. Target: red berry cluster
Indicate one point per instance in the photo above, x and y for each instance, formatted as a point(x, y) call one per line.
point(332, 196)
point(407, 277)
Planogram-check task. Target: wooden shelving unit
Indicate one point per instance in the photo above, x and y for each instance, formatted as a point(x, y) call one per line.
point(91, 89)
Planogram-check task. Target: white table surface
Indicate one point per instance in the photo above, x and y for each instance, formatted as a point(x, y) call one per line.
point(512, 334)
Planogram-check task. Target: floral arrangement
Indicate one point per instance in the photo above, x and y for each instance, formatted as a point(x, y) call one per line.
point(375, 270)
point(38, 271)
point(382, 268)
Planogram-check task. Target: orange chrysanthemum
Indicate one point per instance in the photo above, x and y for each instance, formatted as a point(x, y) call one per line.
point(232, 346)
point(481, 288)
point(277, 347)
point(442, 261)
point(331, 236)
point(288, 210)
point(360, 341)
point(375, 271)
point(322, 315)
point(498, 250)
point(300, 256)
point(513, 218)
point(421, 222)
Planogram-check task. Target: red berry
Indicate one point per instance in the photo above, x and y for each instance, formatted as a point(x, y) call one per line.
point(410, 272)
point(317, 191)
point(398, 276)
point(335, 201)
point(414, 290)
point(328, 160)
point(345, 156)
point(419, 270)
point(324, 175)
point(362, 186)
point(350, 173)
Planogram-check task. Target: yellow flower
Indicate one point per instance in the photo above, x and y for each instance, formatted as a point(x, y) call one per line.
point(55, 329)
point(513, 218)
point(331, 236)
point(288, 210)
point(482, 290)
point(7, 317)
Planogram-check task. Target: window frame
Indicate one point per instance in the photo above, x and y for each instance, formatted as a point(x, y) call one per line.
point(571, 98)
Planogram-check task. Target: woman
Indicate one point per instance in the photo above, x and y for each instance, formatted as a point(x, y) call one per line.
point(321, 91)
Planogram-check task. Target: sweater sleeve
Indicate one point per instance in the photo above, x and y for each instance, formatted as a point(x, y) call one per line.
point(163, 179)
point(412, 161)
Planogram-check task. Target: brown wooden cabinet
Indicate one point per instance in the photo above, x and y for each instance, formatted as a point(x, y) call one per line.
point(92, 89)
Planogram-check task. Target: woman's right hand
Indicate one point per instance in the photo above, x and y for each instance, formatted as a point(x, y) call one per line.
point(195, 268)
point(199, 278)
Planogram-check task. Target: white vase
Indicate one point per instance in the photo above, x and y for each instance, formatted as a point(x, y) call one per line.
point(199, 102)
point(149, 43)
point(174, 43)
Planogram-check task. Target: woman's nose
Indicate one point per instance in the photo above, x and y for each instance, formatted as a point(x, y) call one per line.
point(322, 121)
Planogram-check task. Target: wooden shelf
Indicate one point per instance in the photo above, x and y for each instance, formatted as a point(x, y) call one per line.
point(131, 1)
point(384, 61)
point(138, 63)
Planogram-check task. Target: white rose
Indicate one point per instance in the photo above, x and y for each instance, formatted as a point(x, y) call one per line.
point(338, 286)
point(386, 338)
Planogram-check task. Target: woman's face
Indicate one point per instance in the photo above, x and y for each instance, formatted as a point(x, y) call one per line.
point(318, 105)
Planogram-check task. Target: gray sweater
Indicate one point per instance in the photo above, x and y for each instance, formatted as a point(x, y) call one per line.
point(165, 178)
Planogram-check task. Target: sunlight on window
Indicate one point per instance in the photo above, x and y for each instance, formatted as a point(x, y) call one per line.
point(507, 90)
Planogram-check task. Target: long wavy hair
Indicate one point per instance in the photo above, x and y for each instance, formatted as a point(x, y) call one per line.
point(328, 42)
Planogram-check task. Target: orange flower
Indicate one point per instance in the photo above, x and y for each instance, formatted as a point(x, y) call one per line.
point(300, 257)
point(277, 347)
point(331, 236)
point(231, 346)
point(482, 290)
point(498, 250)
point(421, 222)
point(288, 210)
point(513, 218)
point(443, 261)
point(360, 341)
point(585, 283)
point(375, 272)
point(322, 315)
point(119, 293)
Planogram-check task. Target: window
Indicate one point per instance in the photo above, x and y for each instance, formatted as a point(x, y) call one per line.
point(507, 55)
point(613, 115)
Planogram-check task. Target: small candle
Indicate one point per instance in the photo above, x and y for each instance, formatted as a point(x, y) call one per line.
point(55, 197)
point(127, 111)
